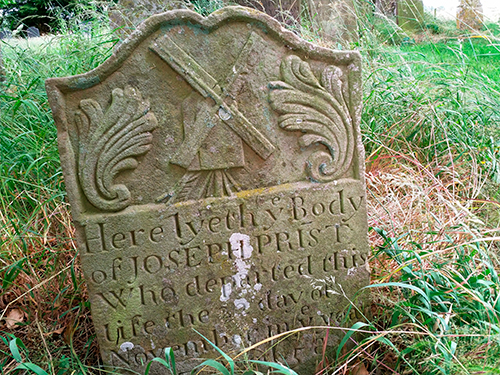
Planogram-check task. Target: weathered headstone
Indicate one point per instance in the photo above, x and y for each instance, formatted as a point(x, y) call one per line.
point(214, 168)
point(410, 14)
point(470, 15)
point(286, 11)
point(126, 15)
point(5, 34)
point(386, 7)
point(2, 70)
point(337, 20)
point(32, 32)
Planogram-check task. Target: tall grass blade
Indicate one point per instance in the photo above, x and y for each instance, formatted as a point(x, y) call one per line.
point(280, 368)
point(226, 357)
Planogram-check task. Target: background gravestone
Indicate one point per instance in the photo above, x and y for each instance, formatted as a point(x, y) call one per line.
point(5, 34)
point(470, 15)
point(286, 11)
point(32, 32)
point(126, 15)
point(386, 7)
point(337, 20)
point(410, 14)
point(2, 70)
point(214, 168)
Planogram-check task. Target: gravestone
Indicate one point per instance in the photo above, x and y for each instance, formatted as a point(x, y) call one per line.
point(126, 15)
point(337, 20)
point(286, 11)
point(410, 14)
point(5, 34)
point(386, 7)
point(214, 168)
point(470, 15)
point(2, 70)
point(32, 32)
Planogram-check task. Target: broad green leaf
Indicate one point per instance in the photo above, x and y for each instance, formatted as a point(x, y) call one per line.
point(281, 369)
point(353, 329)
point(453, 347)
point(14, 349)
point(401, 285)
point(31, 367)
point(159, 360)
point(169, 355)
point(216, 365)
point(226, 357)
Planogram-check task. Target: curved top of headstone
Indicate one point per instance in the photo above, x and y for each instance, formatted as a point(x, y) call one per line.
point(189, 108)
point(213, 21)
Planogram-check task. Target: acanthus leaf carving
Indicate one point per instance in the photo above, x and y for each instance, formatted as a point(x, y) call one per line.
point(318, 109)
point(109, 143)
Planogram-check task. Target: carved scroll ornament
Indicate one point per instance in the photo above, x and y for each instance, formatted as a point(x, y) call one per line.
point(109, 143)
point(318, 109)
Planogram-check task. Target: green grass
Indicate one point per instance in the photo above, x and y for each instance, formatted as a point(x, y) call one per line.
point(432, 109)
point(440, 102)
point(478, 55)
point(430, 122)
point(37, 255)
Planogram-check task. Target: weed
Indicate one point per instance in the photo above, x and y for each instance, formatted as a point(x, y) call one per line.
point(39, 276)
point(16, 349)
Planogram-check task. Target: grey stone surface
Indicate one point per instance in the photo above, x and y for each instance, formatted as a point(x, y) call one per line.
point(337, 20)
point(126, 15)
point(386, 7)
point(214, 168)
point(470, 15)
point(5, 34)
point(2, 69)
point(32, 32)
point(286, 11)
point(410, 14)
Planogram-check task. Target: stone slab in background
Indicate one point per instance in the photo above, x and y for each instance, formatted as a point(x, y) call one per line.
point(5, 34)
point(215, 172)
point(32, 32)
point(285, 11)
point(386, 7)
point(410, 14)
point(126, 15)
point(2, 70)
point(470, 15)
point(337, 20)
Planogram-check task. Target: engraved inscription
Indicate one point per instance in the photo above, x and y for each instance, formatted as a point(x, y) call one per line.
point(109, 142)
point(253, 258)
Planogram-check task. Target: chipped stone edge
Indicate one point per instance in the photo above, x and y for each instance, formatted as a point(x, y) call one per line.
point(57, 87)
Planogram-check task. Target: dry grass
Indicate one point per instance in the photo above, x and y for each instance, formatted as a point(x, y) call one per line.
point(422, 204)
point(46, 303)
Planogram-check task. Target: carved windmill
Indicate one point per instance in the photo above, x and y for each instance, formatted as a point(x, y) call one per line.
point(213, 128)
